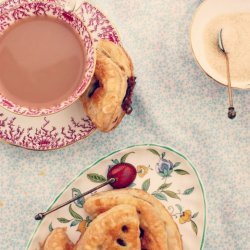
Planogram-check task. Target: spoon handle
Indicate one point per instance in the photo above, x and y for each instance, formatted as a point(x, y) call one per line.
point(231, 111)
point(40, 216)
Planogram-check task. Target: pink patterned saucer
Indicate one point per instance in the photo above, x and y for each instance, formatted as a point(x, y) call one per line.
point(68, 126)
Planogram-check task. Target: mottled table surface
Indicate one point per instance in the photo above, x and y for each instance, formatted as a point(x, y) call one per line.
point(175, 104)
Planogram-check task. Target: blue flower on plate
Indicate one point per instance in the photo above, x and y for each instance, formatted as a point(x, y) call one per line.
point(164, 167)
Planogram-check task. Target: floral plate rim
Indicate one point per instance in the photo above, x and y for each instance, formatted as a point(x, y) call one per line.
point(123, 149)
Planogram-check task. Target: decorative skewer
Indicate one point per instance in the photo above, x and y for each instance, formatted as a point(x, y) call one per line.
point(119, 176)
point(40, 216)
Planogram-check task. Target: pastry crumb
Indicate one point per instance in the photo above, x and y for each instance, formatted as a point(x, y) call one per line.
point(42, 173)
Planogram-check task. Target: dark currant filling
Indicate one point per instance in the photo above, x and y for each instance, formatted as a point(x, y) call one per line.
point(121, 242)
point(127, 101)
point(125, 229)
point(93, 88)
point(141, 232)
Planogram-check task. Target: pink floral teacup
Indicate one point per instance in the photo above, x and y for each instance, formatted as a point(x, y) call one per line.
point(47, 59)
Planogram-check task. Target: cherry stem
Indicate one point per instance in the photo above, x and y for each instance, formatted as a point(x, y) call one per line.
point(40, 216)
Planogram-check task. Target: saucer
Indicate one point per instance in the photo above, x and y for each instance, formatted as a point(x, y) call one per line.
point(68, 126)
point(207, 11)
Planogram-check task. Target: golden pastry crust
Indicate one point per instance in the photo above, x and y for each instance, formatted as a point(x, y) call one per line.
point(116, 229)
point(118, 55)
point(154, 232)
point(58, 240)
point(113, 69)
point(174, 237)
point(104, 106)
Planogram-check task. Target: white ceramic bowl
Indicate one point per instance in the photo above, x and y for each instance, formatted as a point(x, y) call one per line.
point(208, 10)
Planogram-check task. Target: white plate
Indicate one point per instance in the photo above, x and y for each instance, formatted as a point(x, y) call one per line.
point(68, 126)
point(156, 165)
point(207, 11)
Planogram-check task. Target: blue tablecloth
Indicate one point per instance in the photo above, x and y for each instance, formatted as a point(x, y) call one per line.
point(175, 104)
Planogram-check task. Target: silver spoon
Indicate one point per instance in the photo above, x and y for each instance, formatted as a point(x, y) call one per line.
point(231, 110)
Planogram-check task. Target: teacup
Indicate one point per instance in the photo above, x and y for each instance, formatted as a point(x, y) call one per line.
point(47, 59)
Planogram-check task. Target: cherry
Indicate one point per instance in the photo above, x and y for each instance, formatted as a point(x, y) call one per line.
point(124, 174)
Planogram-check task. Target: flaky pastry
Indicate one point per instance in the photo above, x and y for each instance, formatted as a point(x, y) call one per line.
point(58, 240)
point(118, 55)
point(153, 230)
point(115, 229)
point(108, 97)
point(174, 238)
